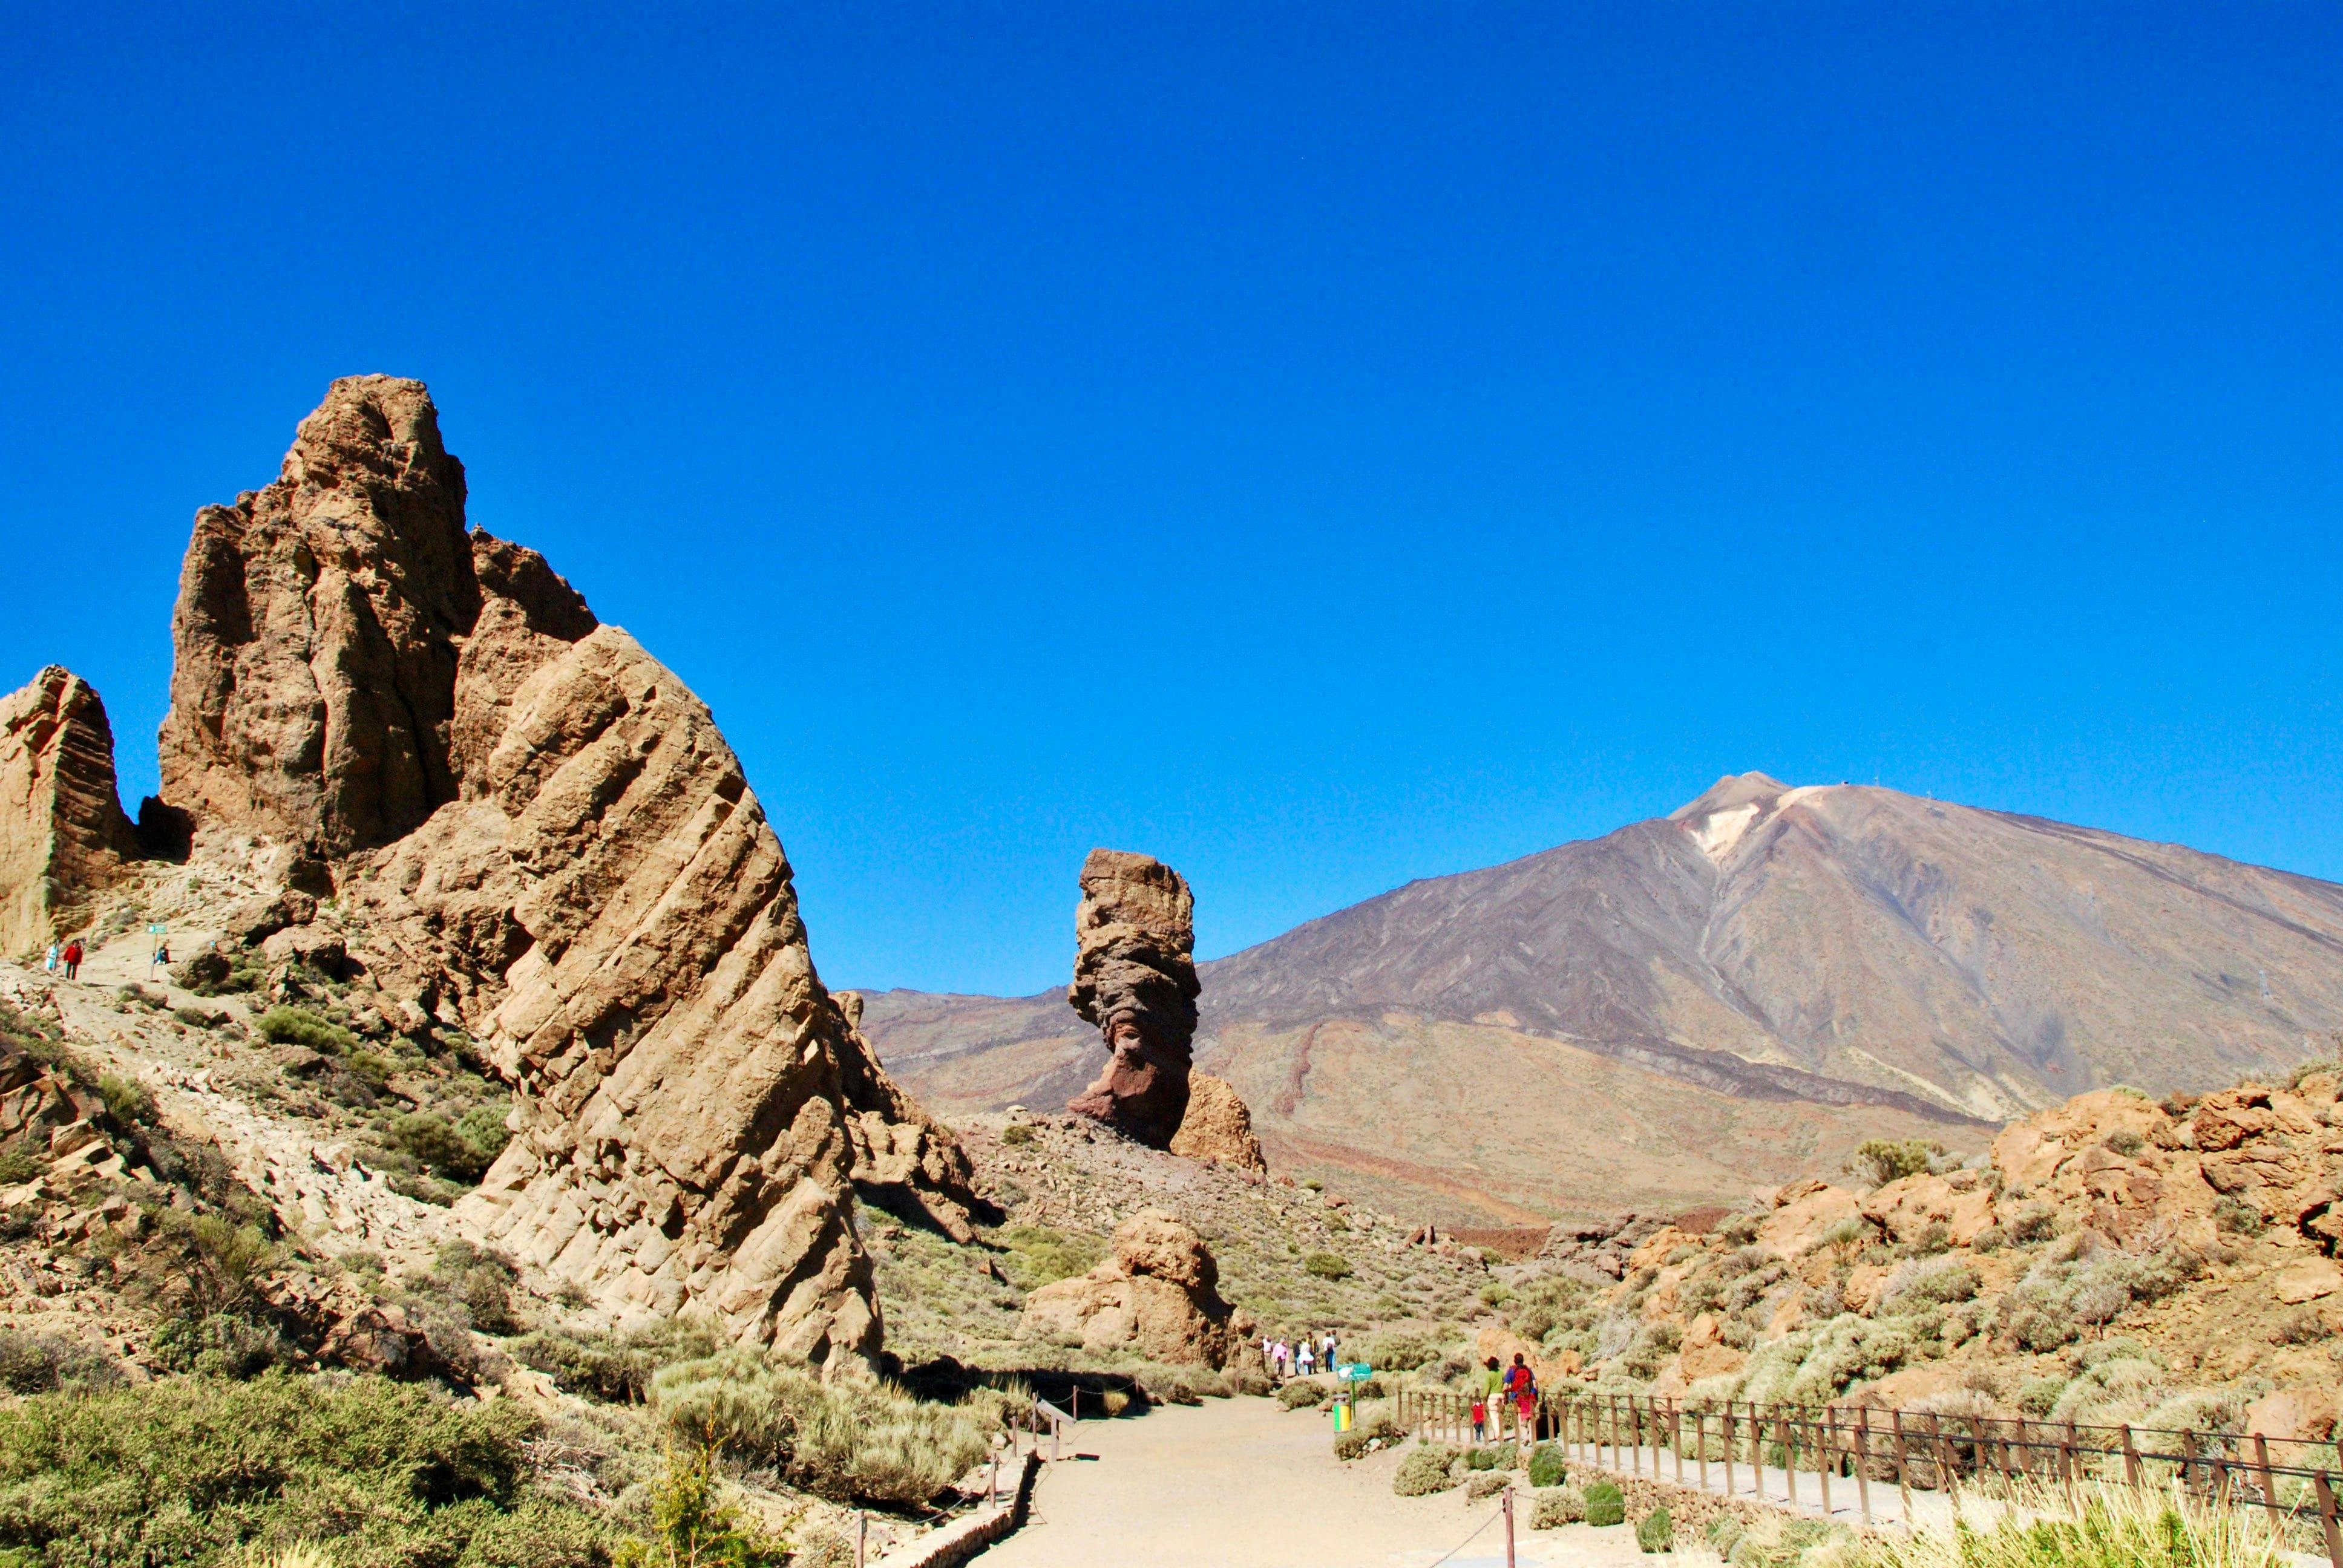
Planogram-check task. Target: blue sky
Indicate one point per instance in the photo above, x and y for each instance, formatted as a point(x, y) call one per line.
point(1321, 445)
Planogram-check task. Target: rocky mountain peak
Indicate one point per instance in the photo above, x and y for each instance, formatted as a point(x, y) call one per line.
point(324, 685)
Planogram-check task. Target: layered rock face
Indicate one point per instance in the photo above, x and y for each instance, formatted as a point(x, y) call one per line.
point(63, 834)
point(1158, 1295)
point(1135, 980)
point(342, 647)
point(538, 835)
point(1218, 1127)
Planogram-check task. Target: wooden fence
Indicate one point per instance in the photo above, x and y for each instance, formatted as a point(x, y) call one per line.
point(2295, 1481)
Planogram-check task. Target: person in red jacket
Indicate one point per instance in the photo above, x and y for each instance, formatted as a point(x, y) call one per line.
point(72, 959)
point(1521, 1384)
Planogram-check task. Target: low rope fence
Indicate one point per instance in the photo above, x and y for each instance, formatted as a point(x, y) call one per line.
point(2293, 1481)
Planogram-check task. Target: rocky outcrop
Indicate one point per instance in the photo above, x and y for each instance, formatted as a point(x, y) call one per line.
point(63, 834)
point(1157, 1296)
point(617, 920)
point(1218, 1127)
point(343, 650)
point(1135, 980)
point(905, 1161)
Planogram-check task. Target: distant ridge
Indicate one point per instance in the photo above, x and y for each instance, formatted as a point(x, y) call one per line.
point(1768, 968)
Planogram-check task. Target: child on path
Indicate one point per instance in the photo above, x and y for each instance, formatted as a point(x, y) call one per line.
point(52, 965)
point(1480, 1420)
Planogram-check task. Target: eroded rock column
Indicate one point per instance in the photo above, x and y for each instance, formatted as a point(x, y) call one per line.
point(1135, 979)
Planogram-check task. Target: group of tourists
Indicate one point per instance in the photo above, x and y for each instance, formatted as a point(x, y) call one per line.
point(1516, 1385)
point(67, 958)
point(1298, 1358)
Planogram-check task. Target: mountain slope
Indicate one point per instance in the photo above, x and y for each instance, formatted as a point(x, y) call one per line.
point(1870, 959)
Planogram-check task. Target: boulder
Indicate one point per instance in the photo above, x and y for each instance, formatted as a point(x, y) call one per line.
point(1157, 1296)
point(63, 833)
point(1907, 1208)
point(1135, 979)
point(340, 644)
point(1217, 1127)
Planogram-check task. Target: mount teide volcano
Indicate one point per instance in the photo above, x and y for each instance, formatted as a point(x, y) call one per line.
point(1727, 995)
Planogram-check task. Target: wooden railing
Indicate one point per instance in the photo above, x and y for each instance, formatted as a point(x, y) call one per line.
point(2293, 1481)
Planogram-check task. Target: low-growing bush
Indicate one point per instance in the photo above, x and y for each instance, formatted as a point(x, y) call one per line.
point(2116, 1527)
point(1327, 1265)
point(1424, 1471)
point(37, 1363)
point(1547, 1467)
point(182, 1470)
point(1302, 1395)
point(1016, 1133)
point(1551, 1508)
point(1879, 1161)
point(299, 1025)
point(844, 1440)
point(1490, 1456)
point(1656, 1531)
point(1606, 1504)
point(1488, 1484)
point(224, 1344)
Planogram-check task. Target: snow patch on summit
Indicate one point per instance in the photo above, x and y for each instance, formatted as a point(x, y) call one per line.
point(1717, 832)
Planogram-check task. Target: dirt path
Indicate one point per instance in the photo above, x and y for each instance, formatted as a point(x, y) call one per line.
point(1239, 1483)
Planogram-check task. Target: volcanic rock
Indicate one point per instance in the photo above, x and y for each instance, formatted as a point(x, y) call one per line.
point(1159, 1295)
point(905, 1161)
point(1135, 980)
point(617, 920)
point(1218, 1127)
point(63, 833)
point(342, 649)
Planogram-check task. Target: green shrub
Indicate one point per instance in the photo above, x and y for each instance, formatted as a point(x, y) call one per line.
point(1035, 1255)
point(299, 1025)
point(1424, 1471)
point(1488, 1484)
point(37, 1363)
point(483, 1127)
point(1490, 1456)
point(1016, 1133)
point(1327, 1265)
point(1373, 1389)
point(180, 1470)
point(1546, 1465)
point(128, 1103)
point(1302, 1395)
point(1725, 1532)
point(691, 1525)
point(224, 1344)
point(441, 1146)
point(1606, 1504)
point(1554, 1507)
point(1399, 1352)
point(1656, 1531)
point(1879, 1161)
point(844, 1440)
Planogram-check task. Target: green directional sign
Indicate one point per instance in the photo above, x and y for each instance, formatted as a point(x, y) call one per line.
point(1354, 1371)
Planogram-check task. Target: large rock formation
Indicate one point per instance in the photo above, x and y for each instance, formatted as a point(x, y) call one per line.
point(1218, 1127)
point(63, 834)
point(1135, 979)
point(541, 837)
point(1159, 1295)
point(343, 650)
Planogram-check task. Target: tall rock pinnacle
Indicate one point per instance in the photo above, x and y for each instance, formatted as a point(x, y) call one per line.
point(342, 647)
point(63, 835)
point(1135, 979)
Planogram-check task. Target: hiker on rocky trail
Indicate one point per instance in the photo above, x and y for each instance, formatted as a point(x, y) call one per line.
point(51, 966)
point(72, 959)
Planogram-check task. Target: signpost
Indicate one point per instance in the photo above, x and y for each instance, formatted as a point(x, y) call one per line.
point(1348, 1376)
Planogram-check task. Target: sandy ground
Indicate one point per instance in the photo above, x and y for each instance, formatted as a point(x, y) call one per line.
point(1239, 1483)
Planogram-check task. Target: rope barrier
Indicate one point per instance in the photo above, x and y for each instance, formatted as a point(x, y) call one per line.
point(1460, 1546)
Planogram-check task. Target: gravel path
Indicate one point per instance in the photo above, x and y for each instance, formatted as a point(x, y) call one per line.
point(1239, 1483)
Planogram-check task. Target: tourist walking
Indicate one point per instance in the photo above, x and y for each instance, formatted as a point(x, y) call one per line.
point(1304, 1356)
point(1326, 1349)
point(52, 965)
point(72, 959)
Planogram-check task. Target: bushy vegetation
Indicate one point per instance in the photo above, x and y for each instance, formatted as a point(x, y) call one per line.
point(1035, 1255)
point(1301, 1394)
point(299, 1025)
point(1656, 1531)
point(1327, 1265)
point(844, 1440)
point(1606, 1504)
point(1424, 1471)
point(1547, 1467)
point(1879, 1161)
point(2116, 1527)
point(1553, 1507)
point(185, 1470)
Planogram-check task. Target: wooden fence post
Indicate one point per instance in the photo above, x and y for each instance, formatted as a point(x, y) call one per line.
point(1789, 1454)
point(1700, 1441)
point(1826, 1456)
point(2327, 1526)
point(2067, 1462)
point(1635, 1438)
point(2269, 1487)
point(1728, 1447)
point(1902, 1467)
point(1675, 1436)
point(1862, 1459)
point(2131, 1458)
point(2187, 1459)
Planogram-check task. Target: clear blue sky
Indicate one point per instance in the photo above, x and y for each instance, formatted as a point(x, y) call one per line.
point(1321, 445)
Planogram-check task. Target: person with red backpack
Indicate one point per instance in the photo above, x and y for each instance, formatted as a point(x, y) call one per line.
point(1521, 1384)
point(72, 959)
